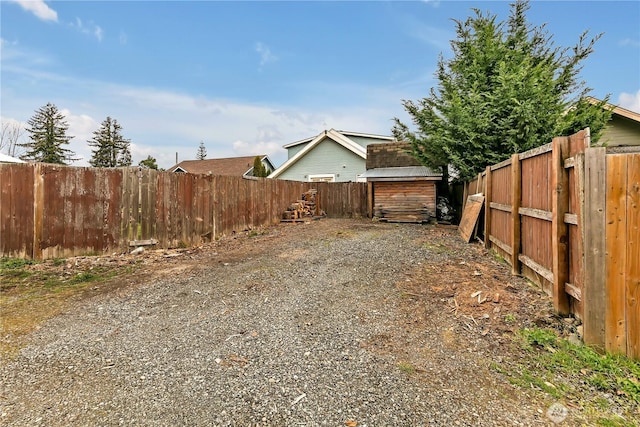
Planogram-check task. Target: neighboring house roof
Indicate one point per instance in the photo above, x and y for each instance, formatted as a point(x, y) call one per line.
point(340, 137)
point(401, 173)
point(632, 115)
point(230, 166)
point(8, 159)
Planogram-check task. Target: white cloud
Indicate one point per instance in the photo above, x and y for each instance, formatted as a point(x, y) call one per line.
point(266, 56)
point(39, 8)
point(630, 101)
point(89, 28)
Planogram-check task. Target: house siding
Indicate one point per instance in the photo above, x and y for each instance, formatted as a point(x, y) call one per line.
point(328, 157)
point(620, 131)
point(292, 151)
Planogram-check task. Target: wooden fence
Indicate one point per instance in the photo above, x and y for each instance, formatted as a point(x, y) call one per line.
point(52, 211)
point(567, 216)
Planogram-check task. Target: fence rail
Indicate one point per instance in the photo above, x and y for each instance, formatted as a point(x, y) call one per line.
point(51, 211)
point(567, 216)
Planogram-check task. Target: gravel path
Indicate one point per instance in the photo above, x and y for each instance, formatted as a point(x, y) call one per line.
point(295, 333)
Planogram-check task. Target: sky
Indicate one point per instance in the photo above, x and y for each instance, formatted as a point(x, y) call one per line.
point(247, 77)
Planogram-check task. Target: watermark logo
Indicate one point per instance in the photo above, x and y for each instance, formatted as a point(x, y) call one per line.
point(557, 413)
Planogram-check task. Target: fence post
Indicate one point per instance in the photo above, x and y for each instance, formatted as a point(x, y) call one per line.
point(593, 226)
point(516, 198)
point(38, 210)
point(559, 230)
point(487, 207)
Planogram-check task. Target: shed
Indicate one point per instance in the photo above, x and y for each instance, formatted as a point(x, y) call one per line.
point(400, 189)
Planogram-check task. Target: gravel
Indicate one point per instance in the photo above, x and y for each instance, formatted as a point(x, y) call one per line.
point(295, 332)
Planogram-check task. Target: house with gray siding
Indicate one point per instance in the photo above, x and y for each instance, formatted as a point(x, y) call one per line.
point(332, 156)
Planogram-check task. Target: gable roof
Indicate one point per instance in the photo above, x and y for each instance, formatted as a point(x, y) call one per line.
point(343, 132)
point(339, 137)
point(8, 159)
point(632, 115)
point(230, 166)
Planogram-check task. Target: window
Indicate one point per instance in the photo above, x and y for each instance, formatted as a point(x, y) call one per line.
point(325, 177)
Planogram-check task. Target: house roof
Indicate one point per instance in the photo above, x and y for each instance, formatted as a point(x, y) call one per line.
point(632, 115)
point(405, 172)
point(337, 136)
point(343, 132)
point(8, 159)
point(230, 166)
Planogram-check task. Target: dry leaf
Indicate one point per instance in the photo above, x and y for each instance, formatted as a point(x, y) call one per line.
point(351, 423)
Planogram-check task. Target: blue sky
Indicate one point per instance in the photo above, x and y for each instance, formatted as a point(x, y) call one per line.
point(246, 78)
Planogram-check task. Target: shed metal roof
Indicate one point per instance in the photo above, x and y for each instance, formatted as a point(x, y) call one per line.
point(401, 172)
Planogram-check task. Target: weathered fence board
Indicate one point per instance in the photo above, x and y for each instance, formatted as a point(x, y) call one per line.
point(567, 216)
point(49, 211)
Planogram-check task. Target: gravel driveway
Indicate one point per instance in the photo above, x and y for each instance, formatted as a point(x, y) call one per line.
point(302, 326)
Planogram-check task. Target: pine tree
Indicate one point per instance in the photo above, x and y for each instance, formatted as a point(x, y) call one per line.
point(259, 170)
point(149, 162)
point(202, 152)
point(48, 134)
point(112, 149)
point(506, 89)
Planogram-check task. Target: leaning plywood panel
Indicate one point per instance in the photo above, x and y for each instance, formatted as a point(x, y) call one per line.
point(470, 216)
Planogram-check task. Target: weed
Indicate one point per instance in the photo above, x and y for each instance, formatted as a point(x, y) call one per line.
point(14, 263)
point(564, 370)
point(509, 318)
point(406, 367)
point(57, 262)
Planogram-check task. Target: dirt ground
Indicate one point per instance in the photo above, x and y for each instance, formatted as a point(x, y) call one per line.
point(468, 282)
point(457, 300)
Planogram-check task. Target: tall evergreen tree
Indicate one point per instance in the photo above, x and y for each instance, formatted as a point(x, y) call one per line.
point(112, 149)
point(48, 134)
point(506, 89)
point(202, 152)
point(259, 169)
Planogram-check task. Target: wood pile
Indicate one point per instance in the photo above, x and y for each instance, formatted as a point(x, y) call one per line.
point(308, 207)
point(419, 213)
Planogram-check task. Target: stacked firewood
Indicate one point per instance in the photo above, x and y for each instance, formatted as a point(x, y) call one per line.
point(305, 208)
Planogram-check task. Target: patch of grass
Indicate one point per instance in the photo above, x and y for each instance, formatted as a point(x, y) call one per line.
point(32, 292)
point(406, 367)
point(509, 318)
point(14, 263)
point(576, 373)
point(437, 248)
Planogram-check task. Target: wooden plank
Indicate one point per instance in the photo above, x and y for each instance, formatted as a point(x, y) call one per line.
point(560, 233)
point(500, 165)
point(38, 210)
point(501, 207)
point(569, 162)
point(594, 249)
point(536, 213)
point(570, 218)
point(535, 151)
point(632, 280)
point(470, 216)
point(616, 244)
point(502, 245)
point(487, 210)
point(516, 198)
point(541, 270)
point(574, 291)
